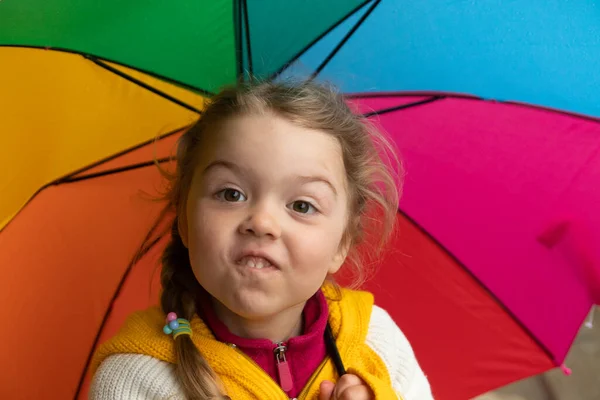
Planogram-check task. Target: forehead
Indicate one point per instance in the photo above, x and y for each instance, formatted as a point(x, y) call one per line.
point(272, 144)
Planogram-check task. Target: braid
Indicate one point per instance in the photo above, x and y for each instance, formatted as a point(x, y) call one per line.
point(179, 284)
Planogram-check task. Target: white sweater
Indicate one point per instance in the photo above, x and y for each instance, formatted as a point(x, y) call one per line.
point(141, 377)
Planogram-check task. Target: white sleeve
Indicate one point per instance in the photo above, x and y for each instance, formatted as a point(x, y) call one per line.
point(134, 377)
point(388, 341)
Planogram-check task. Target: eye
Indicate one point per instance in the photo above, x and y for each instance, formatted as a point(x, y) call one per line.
point(303, 207)
point(231, 195)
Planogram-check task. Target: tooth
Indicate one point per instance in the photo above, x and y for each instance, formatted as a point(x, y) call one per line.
point(255, 262)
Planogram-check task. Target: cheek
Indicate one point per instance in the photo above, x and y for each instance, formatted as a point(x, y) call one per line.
point(318, 247)
point(208, 242)
point(205, 228)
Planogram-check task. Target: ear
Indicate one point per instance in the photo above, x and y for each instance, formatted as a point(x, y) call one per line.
point(340, 256)
point(182, 228)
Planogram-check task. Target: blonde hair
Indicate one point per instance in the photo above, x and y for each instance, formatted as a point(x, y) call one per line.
point(369, 161)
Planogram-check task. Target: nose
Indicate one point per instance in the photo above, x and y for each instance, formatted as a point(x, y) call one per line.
point(261, 223)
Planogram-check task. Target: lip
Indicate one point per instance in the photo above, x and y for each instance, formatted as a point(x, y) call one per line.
point(256, 253)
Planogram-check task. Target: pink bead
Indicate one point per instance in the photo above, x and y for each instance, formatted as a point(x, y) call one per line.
point(567, 371)
point(171, 317)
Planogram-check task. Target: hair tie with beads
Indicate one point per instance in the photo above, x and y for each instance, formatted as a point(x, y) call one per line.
point(177, 326)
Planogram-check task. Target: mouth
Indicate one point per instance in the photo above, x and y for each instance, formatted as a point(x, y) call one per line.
point(256, 262)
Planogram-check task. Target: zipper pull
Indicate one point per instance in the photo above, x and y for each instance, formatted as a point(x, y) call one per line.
point(283, 368)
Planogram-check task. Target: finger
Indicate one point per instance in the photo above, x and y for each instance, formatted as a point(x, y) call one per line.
point(345, 382)
point(360, 392)
point(326, 390)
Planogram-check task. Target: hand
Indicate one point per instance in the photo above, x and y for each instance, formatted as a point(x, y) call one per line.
point(349, 387)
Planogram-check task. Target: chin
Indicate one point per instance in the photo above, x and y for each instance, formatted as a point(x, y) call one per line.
point(252, 305)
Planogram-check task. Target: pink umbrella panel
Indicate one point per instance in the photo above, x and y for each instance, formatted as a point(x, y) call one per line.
point(513, 193)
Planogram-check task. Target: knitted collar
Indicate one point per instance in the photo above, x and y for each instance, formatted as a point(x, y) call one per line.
point(349, 314)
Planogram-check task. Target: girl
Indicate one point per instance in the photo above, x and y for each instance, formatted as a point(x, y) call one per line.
point(271, 193)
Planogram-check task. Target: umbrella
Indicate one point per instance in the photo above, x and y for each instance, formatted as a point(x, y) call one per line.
point(491, 273)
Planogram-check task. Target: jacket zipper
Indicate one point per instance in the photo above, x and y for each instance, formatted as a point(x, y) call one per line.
point(304, 391)
point(312, 379)
point(283, 369)
point(257, 366)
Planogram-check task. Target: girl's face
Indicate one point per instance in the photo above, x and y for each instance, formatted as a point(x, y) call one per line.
point(265, 214)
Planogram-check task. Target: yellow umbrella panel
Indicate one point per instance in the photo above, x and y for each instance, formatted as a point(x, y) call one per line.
point(61, 112)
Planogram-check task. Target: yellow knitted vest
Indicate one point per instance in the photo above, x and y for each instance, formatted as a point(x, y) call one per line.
point(349, 319)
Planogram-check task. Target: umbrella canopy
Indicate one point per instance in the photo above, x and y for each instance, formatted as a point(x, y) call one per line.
point(500, 204)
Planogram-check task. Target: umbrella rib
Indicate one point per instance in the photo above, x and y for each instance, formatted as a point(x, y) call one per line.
point(317, 39)
point(463, 96)
point(144, 71)
point(480, 283)
point(237, 24)
point(403, 106)
point(248, 42)
point(81, 170)
point(142, 84)
point(112, 157)
point(344, 39)
point(116, 170)
point(139, 254)
point(411, 93)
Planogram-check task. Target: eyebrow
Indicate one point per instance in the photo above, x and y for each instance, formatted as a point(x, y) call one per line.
point(303, 179)
point(317, 178)
point(222, 164)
